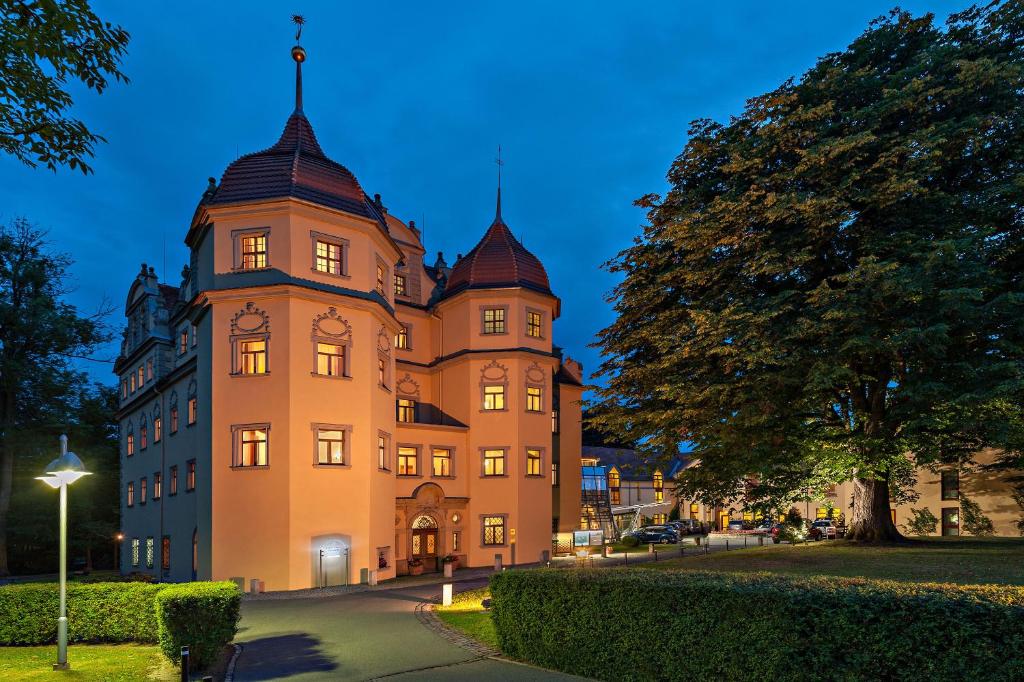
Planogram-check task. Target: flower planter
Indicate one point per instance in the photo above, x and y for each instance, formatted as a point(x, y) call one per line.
point(416, 570)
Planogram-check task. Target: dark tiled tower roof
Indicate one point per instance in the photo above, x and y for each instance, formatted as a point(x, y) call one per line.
point(498, 261)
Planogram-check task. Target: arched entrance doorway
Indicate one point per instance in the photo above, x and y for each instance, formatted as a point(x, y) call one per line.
point(424, 541)
point(330, 556)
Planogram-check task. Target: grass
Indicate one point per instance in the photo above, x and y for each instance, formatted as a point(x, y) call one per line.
point(113, 662)
point(467, 615)
point(953, 560)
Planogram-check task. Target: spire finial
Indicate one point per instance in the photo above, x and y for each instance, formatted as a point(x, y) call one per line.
point(499, 163)
point(299, 55)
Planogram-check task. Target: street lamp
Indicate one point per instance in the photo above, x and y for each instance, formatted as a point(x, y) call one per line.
point(117, 551)
point(60, 473)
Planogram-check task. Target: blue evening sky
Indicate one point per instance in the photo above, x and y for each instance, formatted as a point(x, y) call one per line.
point(590, 102)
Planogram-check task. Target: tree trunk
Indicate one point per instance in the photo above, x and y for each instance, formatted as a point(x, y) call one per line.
point(6, 479)
point(871, 520)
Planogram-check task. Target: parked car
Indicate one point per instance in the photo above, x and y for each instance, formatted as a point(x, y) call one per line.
point(764, 527)
point(739, 524)
point(822, 529)
point(661, 535)
point(692, 526)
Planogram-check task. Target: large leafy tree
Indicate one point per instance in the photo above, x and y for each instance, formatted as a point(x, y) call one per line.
point(833, 287)
point(41, 337)
point(45, 44)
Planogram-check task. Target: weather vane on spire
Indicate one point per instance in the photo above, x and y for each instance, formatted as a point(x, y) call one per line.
point(299, 21)
point(299, 55)
point(499, 163)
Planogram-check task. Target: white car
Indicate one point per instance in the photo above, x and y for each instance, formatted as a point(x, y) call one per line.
point(823, 529)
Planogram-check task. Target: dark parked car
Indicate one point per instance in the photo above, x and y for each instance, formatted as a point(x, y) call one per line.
point(661, 535)
point(737, 524)
point(692, 526)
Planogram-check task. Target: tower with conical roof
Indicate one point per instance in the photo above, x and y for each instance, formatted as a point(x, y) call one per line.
point(331, 408)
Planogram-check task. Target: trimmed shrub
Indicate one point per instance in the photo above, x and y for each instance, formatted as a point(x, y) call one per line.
point(801, 628)
point(203, 616)
point(629, 541)
point(97, 612)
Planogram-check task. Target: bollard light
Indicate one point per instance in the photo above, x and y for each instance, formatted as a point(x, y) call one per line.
point(446, 594)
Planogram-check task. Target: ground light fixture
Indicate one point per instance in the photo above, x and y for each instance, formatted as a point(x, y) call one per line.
point(60, 473)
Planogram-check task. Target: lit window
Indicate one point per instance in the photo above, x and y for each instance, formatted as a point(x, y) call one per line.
point(165, 553)
point(442, 462)
point(660, 518)
point(554, 473)
point(183, 342)
point(455, 541)
point(330, 446)
point(950, 485)
point(150, 549)
point(494, 530)
point(494, 320)
point(132, 379)
point(694, 510)
point(142, 490)
point(252, 356)
point(191, 410)
point(143, 433)
point(659, 487)
point(190, 475)
point(158, 485)
point(141, 376)
point(749, 516)
point(555, 426)
point(614, 486)
point(158, 429)
point(328, 257)
point(533, 324)
point(330, 359)
point(135, 552)
point(382, 274)
point(400, 285)
point(406, 410)
point(407, 462)
point(251, 448)
point(174, 418)
point(149, 370)
point(494, 462)
point(383, 365)
point(173, 481)
point(382, 452)
point(821, 513)
point(131, 494)
point(534, 399)
point(130, 444)
point(402, 338)
point(254, 251)
point(532, 462)
point(494, 397)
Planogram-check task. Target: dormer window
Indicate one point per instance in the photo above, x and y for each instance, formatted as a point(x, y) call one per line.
point(534, 324)
point(400, 289)
point(254, 252)
point(402, 338)
point(329, 255)
point(493, 320)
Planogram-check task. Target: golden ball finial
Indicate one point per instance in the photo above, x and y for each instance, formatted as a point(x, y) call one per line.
point(298, 54)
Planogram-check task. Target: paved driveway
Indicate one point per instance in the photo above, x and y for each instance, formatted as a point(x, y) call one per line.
point(361, 636)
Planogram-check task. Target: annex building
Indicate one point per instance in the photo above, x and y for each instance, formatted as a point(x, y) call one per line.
point(315, 401)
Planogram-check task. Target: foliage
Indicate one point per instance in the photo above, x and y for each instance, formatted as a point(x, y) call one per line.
point(923, 522)
point(44, 45)
point(546, 617)
point(98, 612)
point(202, 615)
point(833, 279)
point(468, 615)
point(1018, 497)
point(629, 541)
point(972, 520)
point(41, 392)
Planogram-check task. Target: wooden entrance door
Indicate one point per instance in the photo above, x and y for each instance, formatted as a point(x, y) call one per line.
point(424, 547)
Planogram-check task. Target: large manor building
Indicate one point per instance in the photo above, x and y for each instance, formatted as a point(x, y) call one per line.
point(315, 401)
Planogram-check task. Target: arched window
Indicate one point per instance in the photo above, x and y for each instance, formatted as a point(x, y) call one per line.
point(424, 521)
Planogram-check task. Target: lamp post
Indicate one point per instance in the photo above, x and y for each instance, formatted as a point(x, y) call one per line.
point(118, 539)
point(60, 473)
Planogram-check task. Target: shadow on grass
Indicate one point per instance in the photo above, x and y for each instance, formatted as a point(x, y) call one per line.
point(278, 656)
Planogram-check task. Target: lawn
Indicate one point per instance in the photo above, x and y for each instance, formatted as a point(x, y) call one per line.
point(954, 560)
point(467, 615)
point(127, 662)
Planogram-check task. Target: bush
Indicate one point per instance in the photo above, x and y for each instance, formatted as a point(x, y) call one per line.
point(97, 612)
point(805, 628)
point(629, 541)
point(203, 616)
point(974, 521)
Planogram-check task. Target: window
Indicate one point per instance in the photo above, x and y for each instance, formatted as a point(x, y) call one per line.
point(143, 433)
point(406, 410)
point(494, 462)
point(129, 444)
point(950, 485)
point(131, 494)
point(659, 487)
point(142, 490)
point(183, 342)
point(158, 428)
point(821, 513)
point(400, 285)
point(165, 553)
point(614, 486)
point(329, 257)
point(402, 338)
point(149, 370)
point(135, 552)
point(554, 473)
point(150, 548)
point(694, 510)
point(660, 518)
point(407, 461)
point(455, 541)
point(158, 484)
point(330, 446)
point(442, 462)
point(950, 521)
point(330, 359)
point(251, 446)
point(533, 324)
point(534, 399)
point(195, 338)
point(382, 276)
point(173, 482)
point(494, 397)
point(254, 251)
point(141, 376)
point(124, 389)
point(494, 530)
point(383, 369)
point(190, 475)
point(555, 425)
point(132, 380)
point(494, 320)
point(533, 462)
point(174, 419)
point(191, 411)
point(383, 448)
point(252, 356)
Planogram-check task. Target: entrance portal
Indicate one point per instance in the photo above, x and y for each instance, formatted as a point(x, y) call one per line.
point(332, 567)
point(424, 542)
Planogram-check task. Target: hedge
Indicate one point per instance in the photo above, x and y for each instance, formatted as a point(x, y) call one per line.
point(217, 607)
point(202, 615)
point(664, 625)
